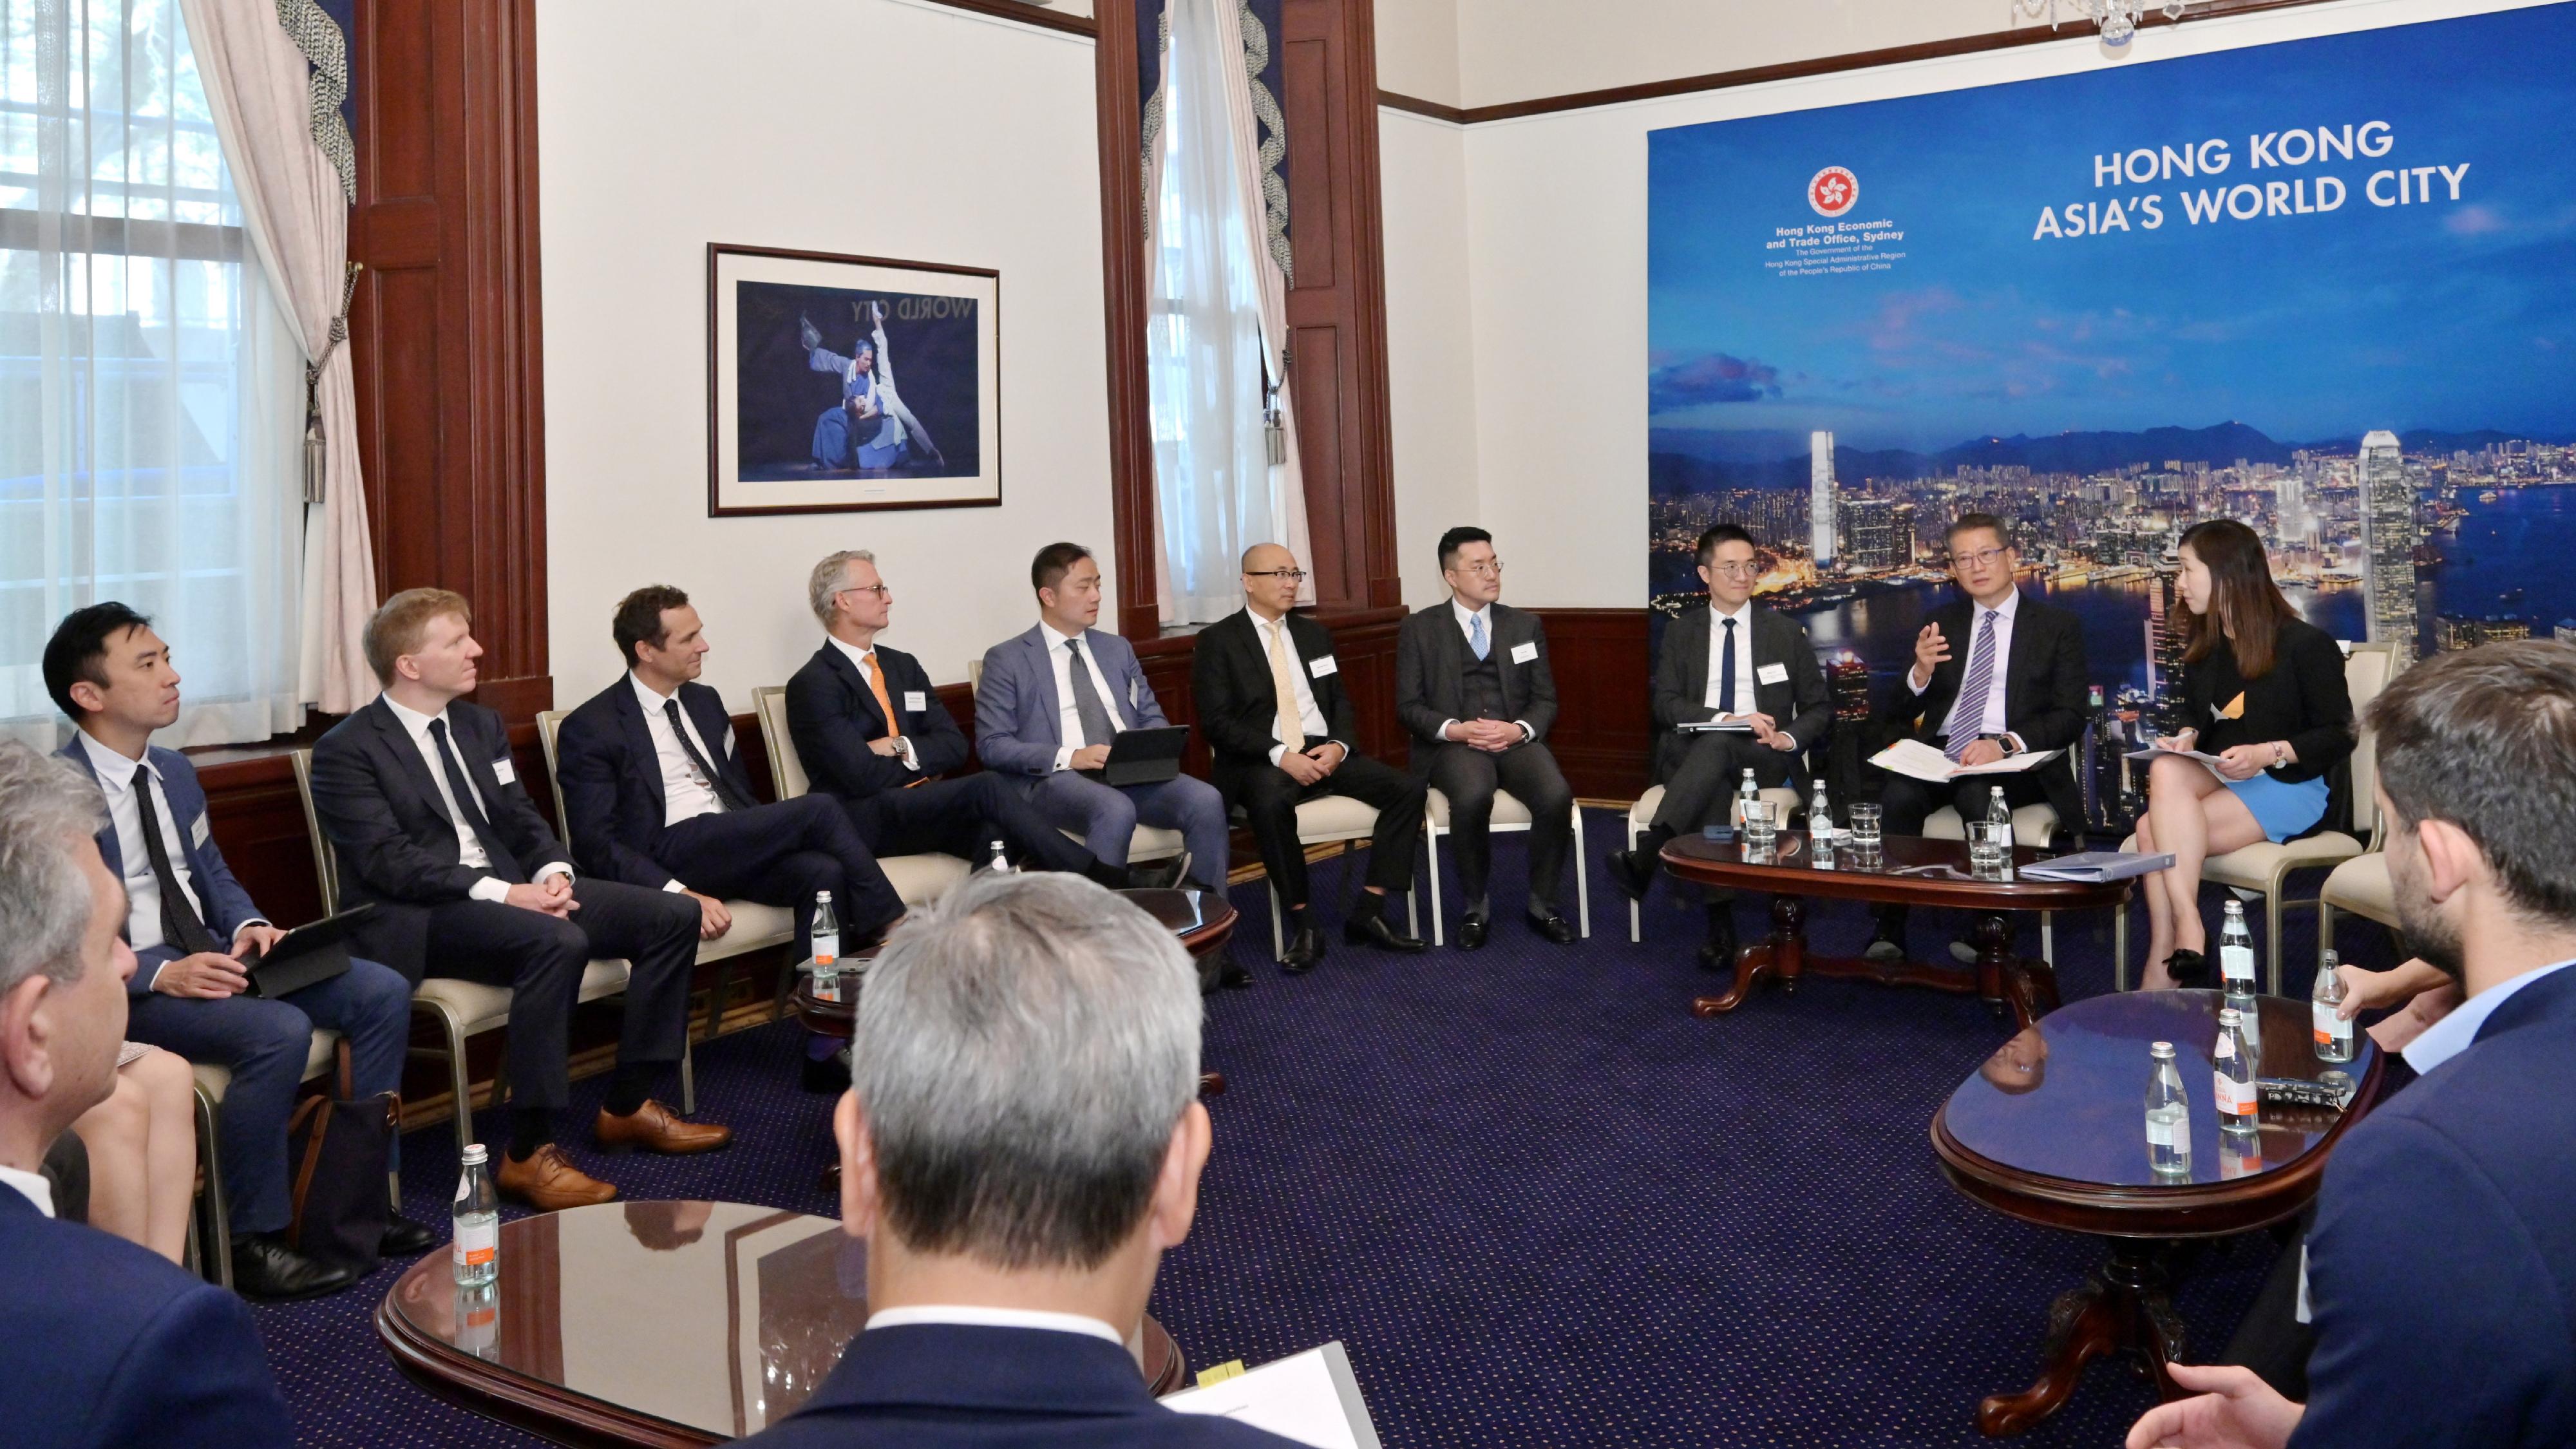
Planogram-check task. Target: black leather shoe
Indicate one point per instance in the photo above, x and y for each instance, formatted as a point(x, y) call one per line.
point(266, 1269)
point(404, 1238)
point(1717, 953)
point(1305, 951)
point(1373, 930)
point(2187, 967)
point(1552, 928)
point(1159, 875)
point(1231, 975)
point(1633, 872)
point(1887, 943)
point(831, 1074)
point(1471, 934)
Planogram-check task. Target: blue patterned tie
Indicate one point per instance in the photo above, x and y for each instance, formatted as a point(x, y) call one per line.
point(1968, 717)
point(1476, 634)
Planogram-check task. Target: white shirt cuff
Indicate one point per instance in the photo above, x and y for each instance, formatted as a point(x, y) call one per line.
point(1444, 727)
point(673, 885)
point(1278, 753)
point(1910, 684)
point(911, 757)
point(555, 867)
point(1527, 734)
point(155, 976)
point(1064, 757)
point(490, 888)
point(2015, 741)
point(1792, 739)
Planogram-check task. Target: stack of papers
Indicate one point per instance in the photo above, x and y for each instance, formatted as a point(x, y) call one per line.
point(2095, 866)
point(1310, 1397)
point(1925, 762)
point(2149, 753)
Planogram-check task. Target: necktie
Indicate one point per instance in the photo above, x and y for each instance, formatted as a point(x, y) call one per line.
point(885, 702)
point(1476, 634)
point(1726, 672)
point(1097, 727)
point(726, 795)
point(502, 862)
point(180, 925)
point(1968, 717)
point(1283, 682)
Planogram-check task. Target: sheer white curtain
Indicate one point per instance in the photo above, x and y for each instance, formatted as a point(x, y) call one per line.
point(1215, 487)
point(151, 393)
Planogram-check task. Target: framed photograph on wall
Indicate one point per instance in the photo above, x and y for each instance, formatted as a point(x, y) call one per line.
point(838, 384)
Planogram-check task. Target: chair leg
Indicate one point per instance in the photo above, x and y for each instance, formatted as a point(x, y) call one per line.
point(2272, 923)
point(1582, 880)
point(1431, 842)
point(2120, 944)
point(459, 1083)
point(216, 1262)
point(2325, 931)
point(2048, 938)
point(688, 1078)
point(1278, 926)
point(1635, 920)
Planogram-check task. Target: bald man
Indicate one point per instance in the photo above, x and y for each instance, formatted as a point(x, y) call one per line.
point(1282, 730)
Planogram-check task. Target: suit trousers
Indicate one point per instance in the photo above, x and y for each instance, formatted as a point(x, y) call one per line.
point(264, 1044)
point(963, 817)
point(1270, 797)
point(784, 855)
point(1907, 802)
point(541, 959)
point(1469, 777)
point(1106, 816)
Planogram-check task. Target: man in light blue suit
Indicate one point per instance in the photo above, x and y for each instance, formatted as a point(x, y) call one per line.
point(1050, 702)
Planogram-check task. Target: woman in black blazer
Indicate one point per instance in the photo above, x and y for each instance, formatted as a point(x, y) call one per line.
point(2264, 691)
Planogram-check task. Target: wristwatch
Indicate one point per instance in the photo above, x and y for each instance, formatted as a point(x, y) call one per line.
point(2280, 753)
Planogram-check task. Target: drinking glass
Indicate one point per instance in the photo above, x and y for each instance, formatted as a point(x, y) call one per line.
point(1761, 824)
point(1989, 849)
point(1865, 818)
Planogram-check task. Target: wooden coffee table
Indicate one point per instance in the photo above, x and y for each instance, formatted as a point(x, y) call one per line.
point(660, 1324)
point(1908, 873)
point(2052, 1130)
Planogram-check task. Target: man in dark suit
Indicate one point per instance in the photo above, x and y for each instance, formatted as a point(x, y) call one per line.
point(1021, 1144)
point(422, 801)
point(871, 731)
point(2442, 1267)
point(1282, 729)
point(656, 794)
point(1729, 659)
point(101, 1342)
point(1995, 674)
point(194, 930)
point(1473, 685)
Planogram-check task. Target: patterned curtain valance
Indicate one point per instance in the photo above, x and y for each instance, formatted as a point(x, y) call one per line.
point(1261, 67)
point(326, 48)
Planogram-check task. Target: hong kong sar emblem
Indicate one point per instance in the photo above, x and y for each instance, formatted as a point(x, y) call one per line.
point(1833, 191)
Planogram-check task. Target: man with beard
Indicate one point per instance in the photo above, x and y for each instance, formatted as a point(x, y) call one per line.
point(2442, 1268)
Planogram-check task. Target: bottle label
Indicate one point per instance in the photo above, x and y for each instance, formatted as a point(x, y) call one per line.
point(2235, 1098)
point(2236, 963)
point(2159, 1134)
point(2330, 1024)
point(476, 1244)
point(827, 949)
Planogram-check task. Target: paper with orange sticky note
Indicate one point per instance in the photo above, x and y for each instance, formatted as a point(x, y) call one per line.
point(1311, 1397)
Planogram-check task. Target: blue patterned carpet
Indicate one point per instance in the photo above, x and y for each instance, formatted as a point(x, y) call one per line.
point(1539, 1203)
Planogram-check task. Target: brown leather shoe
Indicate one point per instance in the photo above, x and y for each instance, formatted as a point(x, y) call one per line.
point(549, 1182)
point(656, 1128)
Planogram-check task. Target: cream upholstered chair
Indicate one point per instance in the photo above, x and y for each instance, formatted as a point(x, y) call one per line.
point(1784, 803)
point(2361, 886)
point(1509, 815)
point(2263, 868)
point(917, 879)
point(1330, 820)
point(1150, 842)
point(2034, 826)
point(210, 1225)
point(460, 1008)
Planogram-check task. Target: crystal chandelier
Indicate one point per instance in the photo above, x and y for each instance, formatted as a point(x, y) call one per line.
point(2118, 18)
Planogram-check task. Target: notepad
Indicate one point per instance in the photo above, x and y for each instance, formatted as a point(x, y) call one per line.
point(1925, 762)
point(1311, 1397)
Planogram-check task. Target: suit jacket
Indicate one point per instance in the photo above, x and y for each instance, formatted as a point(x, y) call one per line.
point(2044, 690)
point(224, 904)
point(951, 1386)
point(1430, 665)
point(381, 811)
point(2442, 1267)
point(103, 1345)
point(1239, 708)
point(1019, 722)
point(832, 714)
point(2303, 700)
point(612, 777)
point(1797, 703)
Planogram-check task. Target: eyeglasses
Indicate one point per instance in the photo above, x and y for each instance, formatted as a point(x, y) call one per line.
point(1493, 570)
point(1737, 570)
point(1979, 559)
point(1294, 576)
point(880, 590)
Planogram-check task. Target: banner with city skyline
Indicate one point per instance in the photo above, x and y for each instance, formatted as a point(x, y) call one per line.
point(2319, 285)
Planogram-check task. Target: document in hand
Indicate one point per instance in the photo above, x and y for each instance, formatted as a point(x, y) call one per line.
point(1706, 726)
point(1923, 762)
point(1310, 1397)
point(2095, 866)
point(2150, 752)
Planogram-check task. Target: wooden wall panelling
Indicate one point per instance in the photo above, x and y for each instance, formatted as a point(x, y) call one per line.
point(1122, 261)
point(1605, 719)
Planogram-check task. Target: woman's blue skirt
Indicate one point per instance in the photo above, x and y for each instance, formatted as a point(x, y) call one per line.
point(2282, 809)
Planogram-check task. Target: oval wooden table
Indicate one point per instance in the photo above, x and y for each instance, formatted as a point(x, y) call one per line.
point(2052, 1130)
point(1910, 871)
point(659, 1324)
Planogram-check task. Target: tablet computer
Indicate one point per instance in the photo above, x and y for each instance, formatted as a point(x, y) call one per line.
point(1145, 757)
point(311, 953)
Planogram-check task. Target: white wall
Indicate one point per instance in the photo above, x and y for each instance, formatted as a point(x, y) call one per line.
point(1556, 266)
point(679, 125)
point(1417, 49)
point(1423, 173)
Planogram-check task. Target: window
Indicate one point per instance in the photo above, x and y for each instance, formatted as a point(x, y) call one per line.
point(151, 392)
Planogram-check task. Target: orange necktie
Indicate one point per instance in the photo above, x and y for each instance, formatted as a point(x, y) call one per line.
point(885, 705)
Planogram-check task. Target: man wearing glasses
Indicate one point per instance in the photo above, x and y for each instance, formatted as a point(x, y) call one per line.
point(1994, 675)
point(1472, 683)
point(1283, 732)
point(1732, 661)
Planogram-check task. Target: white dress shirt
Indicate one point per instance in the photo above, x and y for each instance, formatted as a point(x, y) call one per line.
point(1309, 718)
point(116, 775)
point(1068, 720)
point(1987, 717)
point(2454, 1033)
point(41, 1193)
point(1746, 681)
point(1466, 618)
point(469, 849)
point(686, 794)
point(973, 1316)
point(860, 659)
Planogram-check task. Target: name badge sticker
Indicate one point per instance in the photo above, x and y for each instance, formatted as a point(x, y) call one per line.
point(504, 771)
point(914, 701)
point(1321, 667)
point(1524, 653)
point(200, 832)
point(1772, 674)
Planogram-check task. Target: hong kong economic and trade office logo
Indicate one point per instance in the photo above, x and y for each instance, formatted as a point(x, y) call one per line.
point(1833, 191)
